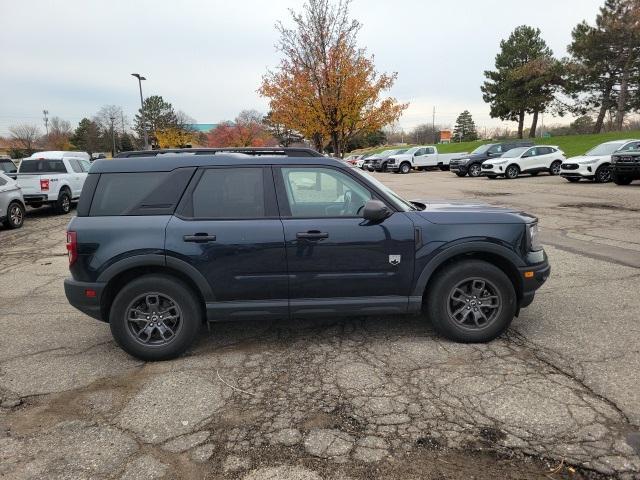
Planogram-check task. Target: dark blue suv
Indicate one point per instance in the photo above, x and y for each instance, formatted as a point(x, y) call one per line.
point(162, 245)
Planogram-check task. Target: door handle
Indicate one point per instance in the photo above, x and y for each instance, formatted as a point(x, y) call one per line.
point(199, 238)
point(312, 235)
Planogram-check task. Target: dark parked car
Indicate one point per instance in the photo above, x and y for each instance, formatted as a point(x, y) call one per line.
point(162, 245)
point(471, 163)
point(625, 166)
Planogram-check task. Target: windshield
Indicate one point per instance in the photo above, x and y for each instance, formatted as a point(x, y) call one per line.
point(399, 202)
point(482, 149)
point(604, 149)
point(411, 150)
point(7, 166)
point(515, 152)
point(387, 153)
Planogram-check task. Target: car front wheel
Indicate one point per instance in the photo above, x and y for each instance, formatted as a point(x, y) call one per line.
point(470, 301)
point(405, 168)
point(512, 171)
point(475, 170)
point(622, 180)
point(155, 317)
point(603, 174)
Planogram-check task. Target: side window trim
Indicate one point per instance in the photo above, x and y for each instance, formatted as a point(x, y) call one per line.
point(184, 210)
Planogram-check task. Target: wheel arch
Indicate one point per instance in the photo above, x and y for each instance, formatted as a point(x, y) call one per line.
point(121, 273)
point(501, 257)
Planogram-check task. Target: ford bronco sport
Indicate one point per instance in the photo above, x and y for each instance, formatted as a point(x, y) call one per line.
point(162, 245)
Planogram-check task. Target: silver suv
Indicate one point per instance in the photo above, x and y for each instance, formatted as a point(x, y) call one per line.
point(11, 202)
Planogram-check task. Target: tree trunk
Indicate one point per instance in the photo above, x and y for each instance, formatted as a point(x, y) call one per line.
point(520, 124)
point(606, 97)
point(317, 142)
point(534, 125)
point(335, 142)
point(622, 99)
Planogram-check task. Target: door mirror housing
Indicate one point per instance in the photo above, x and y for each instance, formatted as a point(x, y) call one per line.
point(375, 211)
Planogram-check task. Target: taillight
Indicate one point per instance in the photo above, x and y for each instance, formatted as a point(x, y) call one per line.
point(44, 184)
point(72, 247)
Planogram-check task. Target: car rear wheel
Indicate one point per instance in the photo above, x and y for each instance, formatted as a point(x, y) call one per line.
point(471, 301)
point(155, 317)
point(555, 167)
point(603, 174)
point(405, 167)
point(63, 205)
point(512, 171)
point(15, 215)
point(475, 170)
point(622, 180)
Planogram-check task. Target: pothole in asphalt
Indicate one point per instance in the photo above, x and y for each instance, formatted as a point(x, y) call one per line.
point(429, 443)
point(599, 206)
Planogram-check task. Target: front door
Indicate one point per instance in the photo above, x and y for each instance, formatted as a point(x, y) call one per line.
point(227, 227)
point(337, 261)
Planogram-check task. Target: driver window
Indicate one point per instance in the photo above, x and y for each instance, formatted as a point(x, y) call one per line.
point(496, 149)
point(532, 152)
point(323, 192)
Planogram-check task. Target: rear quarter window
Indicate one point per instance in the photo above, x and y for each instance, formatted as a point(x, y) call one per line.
point(139, 193)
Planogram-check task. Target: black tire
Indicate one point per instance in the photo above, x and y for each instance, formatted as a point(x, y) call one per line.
point(63, 204)
point(163, 287)
point(572, 179)
point(405, 167)
point(512, 171)
point(383, 168)
point(460, 174)
point(442, 310)
point(474, 170)
point(555, 167)
point(15, 215)
point(603, 174)
point(622, 179)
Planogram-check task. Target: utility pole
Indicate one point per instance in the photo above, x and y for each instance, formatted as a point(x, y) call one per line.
point(144, 122)
point(46, 120)
point(113, 138)
point(433, 124)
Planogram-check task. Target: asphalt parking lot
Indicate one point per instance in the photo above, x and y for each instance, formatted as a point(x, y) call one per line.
point(380, 397)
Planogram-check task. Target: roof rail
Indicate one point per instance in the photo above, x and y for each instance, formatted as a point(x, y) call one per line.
point(254, 151)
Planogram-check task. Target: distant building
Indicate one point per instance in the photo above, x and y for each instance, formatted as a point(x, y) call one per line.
point(445, 136)
point(203, 127)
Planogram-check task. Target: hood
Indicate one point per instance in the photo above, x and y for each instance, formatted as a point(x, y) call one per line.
point(453, 212)
point(582, 158)
point(401, 155)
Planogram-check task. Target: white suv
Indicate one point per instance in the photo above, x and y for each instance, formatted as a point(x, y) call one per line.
point(532, 160)
point(596, 163)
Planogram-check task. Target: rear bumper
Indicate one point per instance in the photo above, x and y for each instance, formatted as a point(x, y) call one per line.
point(532, 282)
point(76, 293)
point(35, 198)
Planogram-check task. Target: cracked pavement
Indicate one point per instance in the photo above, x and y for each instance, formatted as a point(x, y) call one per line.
point(376, 397)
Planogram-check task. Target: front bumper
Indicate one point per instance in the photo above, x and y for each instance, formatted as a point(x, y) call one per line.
point(454, 166)
point(575, 170)
point(76, 293)
point(533, 277)
point(492, 169)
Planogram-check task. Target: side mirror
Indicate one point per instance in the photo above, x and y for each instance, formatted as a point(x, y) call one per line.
point(375, 211)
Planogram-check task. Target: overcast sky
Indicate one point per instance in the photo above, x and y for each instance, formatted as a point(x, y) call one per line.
point(207, 57)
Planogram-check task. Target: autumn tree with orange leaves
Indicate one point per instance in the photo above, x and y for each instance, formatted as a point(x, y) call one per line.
point(248, 130)
point(325, 87)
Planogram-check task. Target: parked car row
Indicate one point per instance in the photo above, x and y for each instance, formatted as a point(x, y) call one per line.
point(45, 178)
point(617, 160)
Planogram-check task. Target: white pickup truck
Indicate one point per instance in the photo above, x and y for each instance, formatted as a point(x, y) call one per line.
point(54, 178)
point(420, 158)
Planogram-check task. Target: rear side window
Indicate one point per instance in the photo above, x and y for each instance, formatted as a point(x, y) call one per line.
point(42, 166)
point(229, 193)
point(75, 166)
point(139, 193)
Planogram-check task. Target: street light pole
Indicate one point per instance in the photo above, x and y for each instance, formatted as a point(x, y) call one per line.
point(144, 123)
point(113, 138)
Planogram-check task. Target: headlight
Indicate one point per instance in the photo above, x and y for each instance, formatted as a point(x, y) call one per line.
point(588, 162)
point(534, 237)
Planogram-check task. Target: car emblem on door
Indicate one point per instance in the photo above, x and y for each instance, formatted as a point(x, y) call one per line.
point(395, 259)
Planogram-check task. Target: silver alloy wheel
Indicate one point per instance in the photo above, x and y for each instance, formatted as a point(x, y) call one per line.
point(66, 203)
point(555, 167)
point(474, 303)
point(475, 170)
point(405, 168)
point(16, 217)
point(511, 172)
point(154, 319)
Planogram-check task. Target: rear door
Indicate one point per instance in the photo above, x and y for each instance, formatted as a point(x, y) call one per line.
point(76, 177)
point(227, 227)
point(337, 261)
